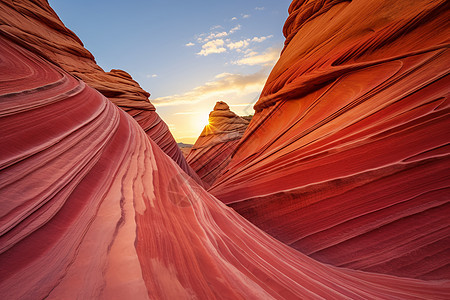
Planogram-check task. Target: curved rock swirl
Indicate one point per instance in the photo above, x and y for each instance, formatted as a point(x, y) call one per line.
point(35, 26)
point(93, 209)
point(347, 157)
point(212, 151)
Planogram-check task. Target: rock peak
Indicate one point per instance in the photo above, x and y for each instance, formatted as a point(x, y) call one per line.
point(220, 105)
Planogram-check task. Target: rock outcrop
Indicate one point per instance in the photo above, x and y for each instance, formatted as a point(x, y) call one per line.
point(347, 157)
point(35, 26)
point(212, 151)
point(91, 208)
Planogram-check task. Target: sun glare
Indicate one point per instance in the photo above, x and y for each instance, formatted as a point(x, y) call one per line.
point(200, 121)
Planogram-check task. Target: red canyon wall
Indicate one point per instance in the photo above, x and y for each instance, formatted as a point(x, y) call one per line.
point(212, 151)
point(35, 26)
point(93, 209)
point(347, 157)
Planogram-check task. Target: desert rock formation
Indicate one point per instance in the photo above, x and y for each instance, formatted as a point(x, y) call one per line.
point(347, 156)
point(93, 209)
point(35, 26)
point(212, 151)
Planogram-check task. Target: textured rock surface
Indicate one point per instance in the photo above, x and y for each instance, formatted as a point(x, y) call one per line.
point(93, 209)
point(34, 25)
point(347, 157)
point(212, 150)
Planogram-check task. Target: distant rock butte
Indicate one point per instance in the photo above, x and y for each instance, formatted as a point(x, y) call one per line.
point(35, 26)
point(347, 158)
point(91, 208)
point(212, 151)
point(185, 148)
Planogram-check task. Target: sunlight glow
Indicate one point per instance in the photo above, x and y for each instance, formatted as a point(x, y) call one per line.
point(200, 121)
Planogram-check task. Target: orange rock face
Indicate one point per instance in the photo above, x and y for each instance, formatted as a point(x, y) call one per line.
point(35, 26)
point(212, 151)
point(347, 157)
point(91, 208)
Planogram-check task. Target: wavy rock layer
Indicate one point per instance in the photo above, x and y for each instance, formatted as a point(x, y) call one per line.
point(212, 151)
point(35, 26)
point(347, 157)
point(93, 209)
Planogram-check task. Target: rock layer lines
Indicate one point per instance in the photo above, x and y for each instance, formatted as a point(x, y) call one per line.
point(35, 26)
point(347, 156)
point(93, 209)
point(212, 151)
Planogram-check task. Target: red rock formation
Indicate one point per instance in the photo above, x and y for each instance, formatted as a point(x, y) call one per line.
point(35, 26)
point(347, 157)
point(212, 150)
point(93, 209)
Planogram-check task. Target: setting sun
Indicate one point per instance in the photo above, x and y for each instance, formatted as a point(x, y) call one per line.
point(199, 121)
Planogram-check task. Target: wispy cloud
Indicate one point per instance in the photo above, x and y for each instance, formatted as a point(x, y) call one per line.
point(224, 83)
point(241, 104)
point(215, 46)
point(188, 113)
point(233, 18)
point(151, 75)
point(261, 39)
point(190, 44)
point(238, 44)
point(206, 37)
point(259, 8)
point(245, 16)
point(265, 59)
point(235, 28)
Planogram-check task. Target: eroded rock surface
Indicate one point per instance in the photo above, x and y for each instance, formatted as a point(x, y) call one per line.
point(347, 157)
point(212, 151)
point(35, 26)
point(91, 208)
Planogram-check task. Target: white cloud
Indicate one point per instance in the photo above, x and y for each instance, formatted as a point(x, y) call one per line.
point(261, 39)
point(224, 83)
point(214, 46)
point(215, 35)
point(259, 8)
point(151, 75)
point(216, 27)
point(235, 28)
point(206, 37)
point(245, 16)
point(266, 59)
point(238, 44)
point(233, 18)
point(190, 44)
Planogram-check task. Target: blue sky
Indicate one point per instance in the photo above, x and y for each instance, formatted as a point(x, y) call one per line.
point(187, 54)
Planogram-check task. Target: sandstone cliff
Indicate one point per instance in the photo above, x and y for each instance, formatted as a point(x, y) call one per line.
point(91, 208)
point(35, 26)
point(347, 156)
point(212, 151)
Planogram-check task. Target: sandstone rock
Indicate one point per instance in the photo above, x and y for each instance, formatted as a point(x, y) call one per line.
point(212, 151)
point(35, 26)
point(347, 156)
point(91, 208)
